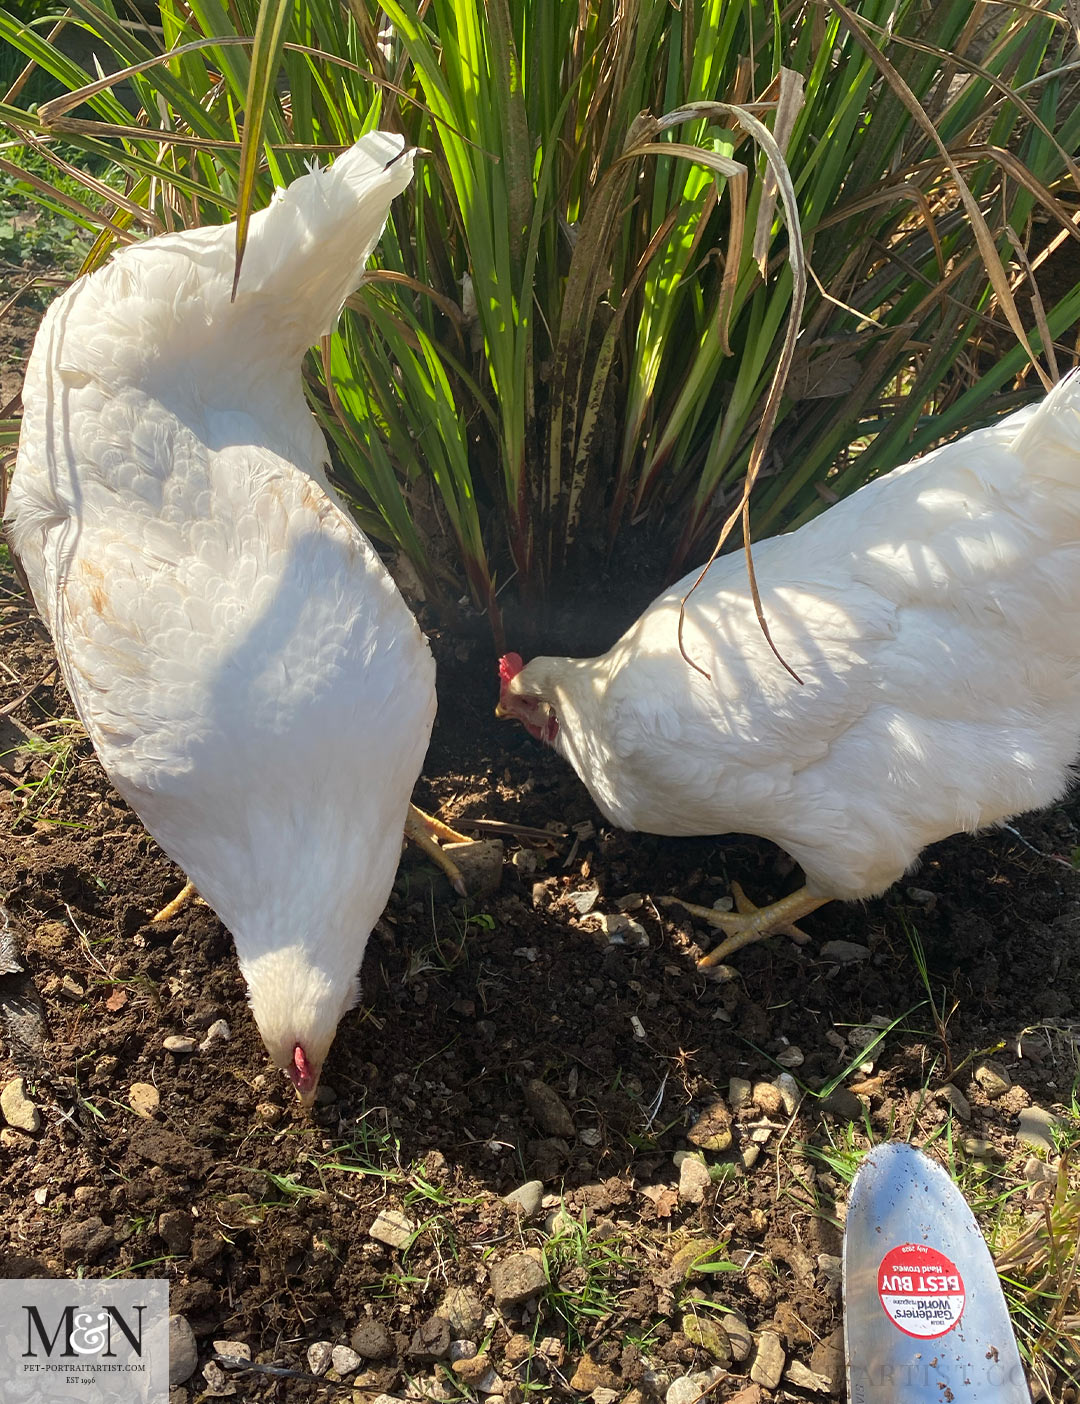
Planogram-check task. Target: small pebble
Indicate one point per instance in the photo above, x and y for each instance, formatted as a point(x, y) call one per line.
point(517, 1278)
point(233, 1350)
point(19, 1111)
point(769, 1361)
point(712, 1129)
point(462, 1350)
point(345, 1360)
point(178, 1043)
point(392, 1228)
point(993, 1079)
point(789, 1092)
point(549, 1109)
point(956, 1099)
point(791, 1057)
point(802, 1377)
point(739, 1091)
point(320, 1354)
point(844, 952)
point(694, 1180)
point(183, 1352)
point(475, 1371)
point(144, 1099)
point(526, 1197)
point(217, 1382)
point(371, 1340)
point(218, 1032)
point(739, 1334)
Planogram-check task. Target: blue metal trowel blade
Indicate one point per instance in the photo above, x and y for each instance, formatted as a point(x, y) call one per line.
point(925, 1320)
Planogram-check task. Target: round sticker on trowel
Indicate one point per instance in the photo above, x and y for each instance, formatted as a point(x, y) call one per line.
point(921, 1290)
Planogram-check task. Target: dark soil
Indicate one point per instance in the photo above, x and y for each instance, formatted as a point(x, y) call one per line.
point(431, 1100)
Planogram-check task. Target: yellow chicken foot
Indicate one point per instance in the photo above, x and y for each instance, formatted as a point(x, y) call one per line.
point(749, 923)
point(424, 829)
point(186, 894)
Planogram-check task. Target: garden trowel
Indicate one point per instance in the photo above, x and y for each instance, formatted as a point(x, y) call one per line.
point(924, 1315)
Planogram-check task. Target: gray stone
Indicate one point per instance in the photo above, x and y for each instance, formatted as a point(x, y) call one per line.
point(183, 1352)
point(791, 1057)
point(789, 1091)
point(769, 1361)
point(517, 1278)
point(527, 1198)
point(371, 1340)
point(738, 1333)
point(694, 1180)
point(345, 1360)
point(682, 1391)
point(19, 1111)
point(319, 1356)
point(993, 1079)
point(392, 1228)
point(431, 1339)
point(480, 863)
point(464, 1312)
point(462, 1350)
point(1036, 1129)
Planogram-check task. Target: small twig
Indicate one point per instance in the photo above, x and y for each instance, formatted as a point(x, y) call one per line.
point(10, 707)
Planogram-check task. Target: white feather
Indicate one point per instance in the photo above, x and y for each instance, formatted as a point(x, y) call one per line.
point(933, 618)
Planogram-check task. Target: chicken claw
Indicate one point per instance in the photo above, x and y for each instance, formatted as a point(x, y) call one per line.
point(424, 829)
point(749, 923)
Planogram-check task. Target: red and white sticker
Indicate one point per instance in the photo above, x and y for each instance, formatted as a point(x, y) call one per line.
point(921, 1290)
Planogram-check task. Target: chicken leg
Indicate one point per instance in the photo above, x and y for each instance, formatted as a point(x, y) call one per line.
point(749, 923)
point(422, 828)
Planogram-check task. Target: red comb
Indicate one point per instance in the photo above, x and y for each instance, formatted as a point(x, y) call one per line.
point(510, 665)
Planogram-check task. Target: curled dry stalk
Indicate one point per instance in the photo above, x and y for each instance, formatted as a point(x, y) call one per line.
point(781, 176)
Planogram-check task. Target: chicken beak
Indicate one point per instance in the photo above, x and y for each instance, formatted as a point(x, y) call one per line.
point(503, 713)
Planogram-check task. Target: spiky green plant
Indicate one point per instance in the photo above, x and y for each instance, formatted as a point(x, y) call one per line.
point(583, 298)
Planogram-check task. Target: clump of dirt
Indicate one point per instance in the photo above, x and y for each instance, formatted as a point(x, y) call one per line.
point(555, 1031)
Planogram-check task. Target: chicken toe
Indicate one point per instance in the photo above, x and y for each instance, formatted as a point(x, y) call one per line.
point(424, 830)
point(186, 894)
point(749, 923)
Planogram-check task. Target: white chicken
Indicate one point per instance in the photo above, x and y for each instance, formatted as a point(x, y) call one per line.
point(933, 619)
point(251, 679)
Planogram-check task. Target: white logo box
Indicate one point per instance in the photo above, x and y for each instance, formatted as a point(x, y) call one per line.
point(99, 1340)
